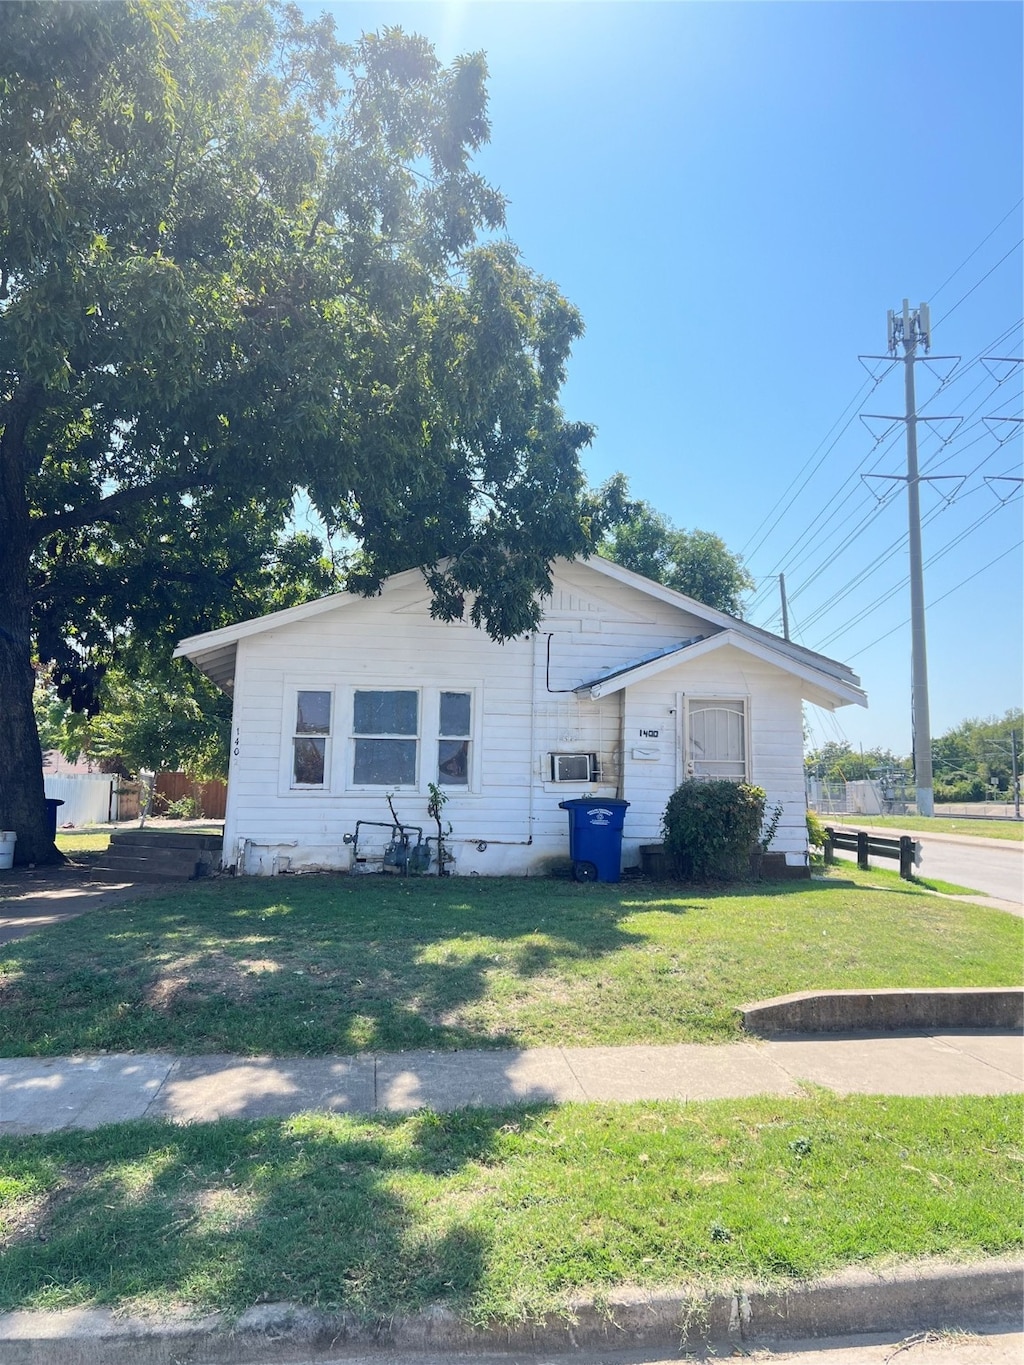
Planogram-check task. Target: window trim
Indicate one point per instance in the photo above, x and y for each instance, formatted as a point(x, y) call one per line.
point(353, 738)
point(287, 786)
point(427, 737)
point(469, 737)
point(684, 701)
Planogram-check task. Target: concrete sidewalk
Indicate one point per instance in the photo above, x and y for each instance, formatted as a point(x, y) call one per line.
point(44, 1095)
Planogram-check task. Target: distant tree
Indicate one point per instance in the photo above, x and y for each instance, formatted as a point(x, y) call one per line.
point(240, 260)
point(980, 749)
point(168, 720)
point(697, 563)
point(838, 761)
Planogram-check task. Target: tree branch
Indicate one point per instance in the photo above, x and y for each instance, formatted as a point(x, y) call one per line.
point(109, 509)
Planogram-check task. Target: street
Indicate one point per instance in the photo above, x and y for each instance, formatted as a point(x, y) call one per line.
point(994, 871)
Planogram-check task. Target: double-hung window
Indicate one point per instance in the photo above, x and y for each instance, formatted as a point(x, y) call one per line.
point(409, 737)
point(716, 744)
point(455, 739)
point(311, 733)
point(386, 738)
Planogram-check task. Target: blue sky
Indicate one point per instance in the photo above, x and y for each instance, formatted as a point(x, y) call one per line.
point(733, 194)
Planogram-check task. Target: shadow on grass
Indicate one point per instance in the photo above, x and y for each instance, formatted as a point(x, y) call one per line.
point(317, 1209)
point(332, 964)
point(293, 966)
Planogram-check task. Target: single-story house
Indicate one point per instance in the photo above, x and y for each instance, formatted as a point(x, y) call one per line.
point(625, 690)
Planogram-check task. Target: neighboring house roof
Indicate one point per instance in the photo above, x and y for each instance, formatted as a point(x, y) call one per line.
point(828, 681)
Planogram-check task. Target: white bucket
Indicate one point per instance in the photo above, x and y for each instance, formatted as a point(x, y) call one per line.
point(8, 839)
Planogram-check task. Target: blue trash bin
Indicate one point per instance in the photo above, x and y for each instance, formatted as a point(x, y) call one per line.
point(595, 837)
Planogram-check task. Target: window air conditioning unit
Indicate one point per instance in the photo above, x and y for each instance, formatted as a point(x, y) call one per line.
point(573, 767)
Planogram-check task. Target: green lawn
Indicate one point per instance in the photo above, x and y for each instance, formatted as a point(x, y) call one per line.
point(332, 964)
point(503, 1214)
point(82, 845)
point(980, 829)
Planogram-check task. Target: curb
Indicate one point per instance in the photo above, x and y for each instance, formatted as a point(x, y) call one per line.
point(904, 1298)
point(889, 1009)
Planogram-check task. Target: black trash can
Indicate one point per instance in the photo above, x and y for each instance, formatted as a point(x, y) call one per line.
point(595, 837)
point(51, 814)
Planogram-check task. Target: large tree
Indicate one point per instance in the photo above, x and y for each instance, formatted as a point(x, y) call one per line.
point(240, 259)
point(698, 563)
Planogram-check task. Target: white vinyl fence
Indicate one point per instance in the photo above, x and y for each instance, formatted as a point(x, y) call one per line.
point(87, 799)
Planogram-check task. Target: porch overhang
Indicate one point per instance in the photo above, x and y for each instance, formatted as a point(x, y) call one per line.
point(819, 687)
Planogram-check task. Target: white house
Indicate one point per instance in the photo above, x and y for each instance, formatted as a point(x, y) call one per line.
point(626, 689)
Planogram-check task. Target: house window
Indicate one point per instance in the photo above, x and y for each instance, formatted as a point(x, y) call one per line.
point(455, 729)
point(310, 735)
point(717, 738)
point(385, 728)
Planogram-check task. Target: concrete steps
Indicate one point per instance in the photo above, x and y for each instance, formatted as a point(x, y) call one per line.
point(159, 855)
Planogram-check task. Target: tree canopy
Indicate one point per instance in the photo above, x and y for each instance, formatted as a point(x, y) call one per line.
point(697, 563)
point(981, 750)
point(838, 761)
point(240, 259)
point(972, 760)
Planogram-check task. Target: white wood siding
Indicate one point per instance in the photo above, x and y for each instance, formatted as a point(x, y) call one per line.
point(775, 743)
point(528, 710)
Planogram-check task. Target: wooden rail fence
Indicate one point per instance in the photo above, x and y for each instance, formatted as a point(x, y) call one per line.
point(868, 845)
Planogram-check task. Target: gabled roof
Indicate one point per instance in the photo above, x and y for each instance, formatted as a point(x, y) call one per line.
point(822, 688)
point(713, 616)
point(213, 652)
point(829, 682)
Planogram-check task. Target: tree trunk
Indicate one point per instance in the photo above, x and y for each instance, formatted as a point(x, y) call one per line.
point(22, 797)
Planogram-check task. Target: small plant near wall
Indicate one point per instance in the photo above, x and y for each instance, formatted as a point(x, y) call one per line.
point(770, 827)
point(710, 828)
point(815, 831)
point(435, 806)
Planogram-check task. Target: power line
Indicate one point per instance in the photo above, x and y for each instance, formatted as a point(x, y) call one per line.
point(951, 311)
point(956, 588)
point(843, 508)
point(897, 545)
point(782, 499)
point(830, 559)
point(898, 587)
point(936, 292)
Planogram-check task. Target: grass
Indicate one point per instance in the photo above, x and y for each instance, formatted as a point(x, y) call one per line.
point(502, 1214)
point(887, 876)
point(82, 846)
point(330, 964)
point(979, 828)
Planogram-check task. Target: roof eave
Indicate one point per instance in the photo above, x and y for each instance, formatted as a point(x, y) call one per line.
point(829, 691)
point(721, 618)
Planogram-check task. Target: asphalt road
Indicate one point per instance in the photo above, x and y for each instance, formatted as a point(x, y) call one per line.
point(994, 871)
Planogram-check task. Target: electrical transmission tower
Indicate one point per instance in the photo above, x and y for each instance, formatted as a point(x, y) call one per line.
point(911, 328)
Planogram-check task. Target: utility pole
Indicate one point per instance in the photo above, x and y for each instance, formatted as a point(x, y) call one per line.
point(785, 606)
point(915, 327)
point(1016, 774)
point(911, 328)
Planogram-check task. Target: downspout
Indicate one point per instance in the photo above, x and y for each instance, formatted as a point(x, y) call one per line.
point(620, 790)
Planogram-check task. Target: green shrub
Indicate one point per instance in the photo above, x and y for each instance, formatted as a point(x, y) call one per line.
point(815, 831)
point(971, 789)
point(185, 808)
point(710, 828)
